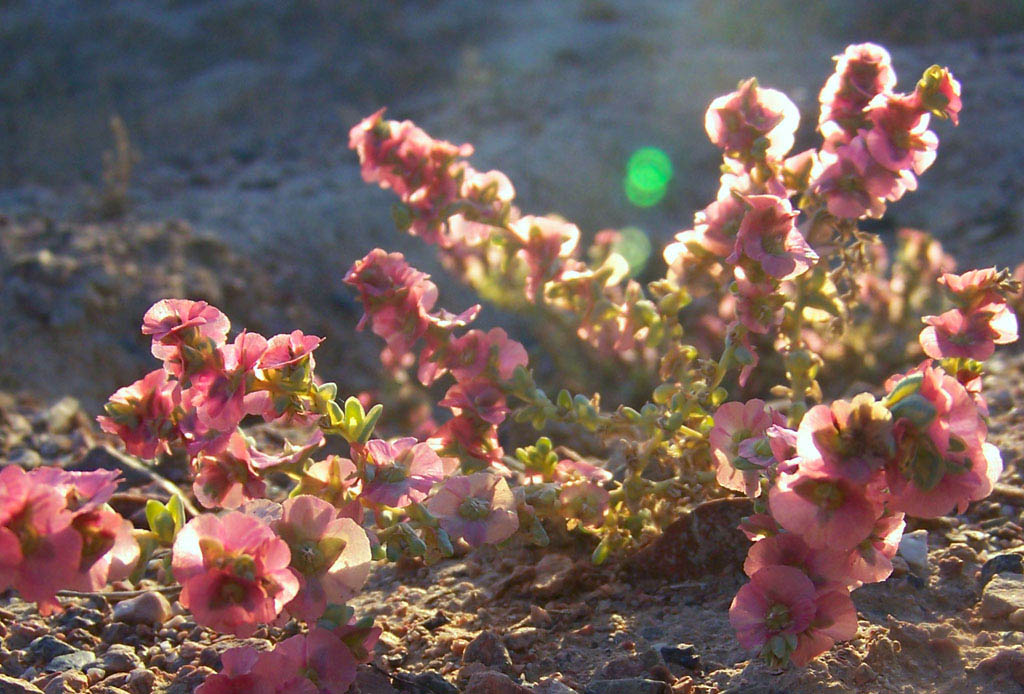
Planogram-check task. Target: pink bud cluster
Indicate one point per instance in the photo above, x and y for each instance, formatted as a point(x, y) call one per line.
point(877, 141)
point(398, 303)
point(446, 202)
point(57, 532)
point(206, 387)
point(839, 486)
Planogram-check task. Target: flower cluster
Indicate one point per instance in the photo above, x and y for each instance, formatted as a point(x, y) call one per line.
point(840, 486)
point(57, 532)
point(877, 141)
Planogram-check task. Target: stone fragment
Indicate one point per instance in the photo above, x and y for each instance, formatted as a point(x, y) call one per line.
point(78, 660)
point(914, 550)
point(46, 648)
point(552, 575)
point(120, 658)
point(434, 683)
point(627, 686)
point(1003, 595)
point(488, 650)
point(1001, 564)
point(493, 683)
point(13, 685)
point(148, 608)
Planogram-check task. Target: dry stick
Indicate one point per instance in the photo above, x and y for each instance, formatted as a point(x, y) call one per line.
point(164, 483)
point(115, 595)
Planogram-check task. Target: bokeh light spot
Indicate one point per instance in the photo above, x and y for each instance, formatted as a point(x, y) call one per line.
point(635, 247)
point(648, 173)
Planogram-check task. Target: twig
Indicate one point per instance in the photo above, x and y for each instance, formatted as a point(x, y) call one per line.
point(164, 483)
point(116, 595)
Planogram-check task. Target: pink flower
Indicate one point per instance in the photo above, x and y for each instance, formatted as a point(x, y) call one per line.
point(468, 438)
point(38, 545)
point(399, 473)
point(824, 511)
point(248, 671)
point(288, 350)
point(476, 353)
point(184, 332)
point(480, 399)
point(942, 462)
point(545, 243)
point(862, 72)
point(752, 122)
point(898, 137)
point(221, 395)
point(868, 562)
point(835, 619)
point(714, 232)
point(397, 298)
point(479, 508)
point(735, 424)
point(143, 414)
point(758, 303)
point(853, 440)
point(227, 479)
point(783, 549)
point(334, 480)
point(322, 657)
point(109, 550)
point(772, 609)
point(971, 336)
point(234, 572)
point(769, 237)
point(82, 491)
point(330, 555)
point(854, 185)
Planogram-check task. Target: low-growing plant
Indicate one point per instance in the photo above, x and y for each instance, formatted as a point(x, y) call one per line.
point(774, 282)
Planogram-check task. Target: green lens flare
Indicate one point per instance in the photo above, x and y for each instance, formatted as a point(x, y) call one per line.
point(635, 247)
point(648, 172)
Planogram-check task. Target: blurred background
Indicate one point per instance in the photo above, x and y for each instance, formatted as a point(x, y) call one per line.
point(225, 172)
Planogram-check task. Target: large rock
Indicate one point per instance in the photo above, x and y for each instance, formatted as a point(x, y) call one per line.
point(148, 608)
point(1003, 595)
point(12, 685)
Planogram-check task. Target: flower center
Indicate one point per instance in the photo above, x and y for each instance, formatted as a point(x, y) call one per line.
point(777, 618)
point(475, 508)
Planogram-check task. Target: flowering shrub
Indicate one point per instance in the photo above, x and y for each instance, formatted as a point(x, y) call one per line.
point(774, 282)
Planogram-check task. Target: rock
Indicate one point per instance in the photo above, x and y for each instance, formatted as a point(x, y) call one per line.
point(60, 418)
point(1003, 595)
point(863, 674)
point(187, 679)
point(522, 638)
point(493, 683)
point(12, 685)
point(683, 654)
point(120, 658)
point(551, 686)
point(540, 617)
point(434, 683)
point(372, 682)
point(78, 660)
point(1016, 620)
point(701, 543)
point(436, 622)
point(46, 648)
point(1008, 662)
point(626, 686)
point(1001, 564)
point(148, 608)
point(552, 575)
point(69, 682)
point(914, 549)
point(488, 649)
